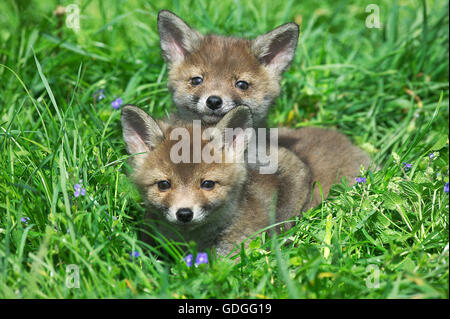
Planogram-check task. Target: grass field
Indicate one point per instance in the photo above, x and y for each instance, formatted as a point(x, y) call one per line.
point(387, 89)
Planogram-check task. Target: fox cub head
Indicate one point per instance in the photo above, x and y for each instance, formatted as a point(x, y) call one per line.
point(190, 193)
point(209, 74)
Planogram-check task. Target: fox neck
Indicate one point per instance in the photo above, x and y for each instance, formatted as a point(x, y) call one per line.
point(187, 115)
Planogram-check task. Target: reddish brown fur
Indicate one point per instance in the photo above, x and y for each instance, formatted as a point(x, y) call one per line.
point(329, 154)
point(221, 62)
point(186, 178)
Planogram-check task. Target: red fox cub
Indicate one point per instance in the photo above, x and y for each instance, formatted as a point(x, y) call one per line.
point(216, 203)
point(209, 74)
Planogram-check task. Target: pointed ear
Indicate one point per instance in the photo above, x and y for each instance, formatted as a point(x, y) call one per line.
point(140, 132)
point(236, 130)
point(239, 117)
point(177, 38)
point(276, 48)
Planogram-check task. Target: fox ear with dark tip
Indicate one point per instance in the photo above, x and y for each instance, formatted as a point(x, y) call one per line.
point(239, 117)
point(235, 130)
point(177, 38)
point(276, 48)
point(140, 131)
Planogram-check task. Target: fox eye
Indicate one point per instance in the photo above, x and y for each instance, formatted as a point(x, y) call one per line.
point(163, 185)
point(208, 185)
point(242, 85)
point(196, 80)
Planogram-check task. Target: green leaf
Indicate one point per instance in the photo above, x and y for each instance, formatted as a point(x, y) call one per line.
point(408, 265)
point(411, 189)
point(396, 157)
point(392, 200)
point(255, 243)
point(440, 143)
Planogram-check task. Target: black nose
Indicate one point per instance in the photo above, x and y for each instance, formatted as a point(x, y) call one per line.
point(185, 215)
point(214, 102)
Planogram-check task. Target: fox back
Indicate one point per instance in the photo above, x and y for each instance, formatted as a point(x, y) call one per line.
point(330, 155)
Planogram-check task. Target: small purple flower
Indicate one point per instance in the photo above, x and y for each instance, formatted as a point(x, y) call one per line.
point(117, 103)
point(99, 95)
point(431, 155)
point(446, 188)
point(407, 165)
point(202, 258)
point(360, 180)
point(134, 254)
point(188, 259)
point(79, 190)
point(27, 219)
point(107, 219)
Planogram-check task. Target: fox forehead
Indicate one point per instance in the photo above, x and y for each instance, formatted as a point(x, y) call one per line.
point(222, 56)
point(159, 165)
point(184, 173)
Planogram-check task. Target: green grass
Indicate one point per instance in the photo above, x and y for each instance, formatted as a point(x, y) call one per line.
point(387, 89)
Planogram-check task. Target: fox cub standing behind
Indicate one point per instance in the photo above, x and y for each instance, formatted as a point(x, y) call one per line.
point(214, 204)
point(209, 74)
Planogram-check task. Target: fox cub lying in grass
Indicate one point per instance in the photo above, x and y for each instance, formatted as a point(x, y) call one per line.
point(220, 203)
